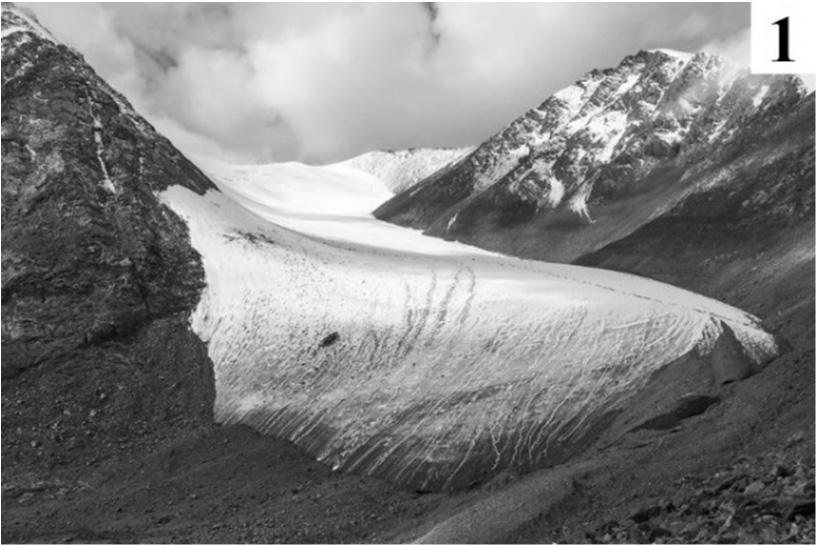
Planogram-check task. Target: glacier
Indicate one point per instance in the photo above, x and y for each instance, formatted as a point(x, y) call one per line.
point(430, 363)
point(402, 169)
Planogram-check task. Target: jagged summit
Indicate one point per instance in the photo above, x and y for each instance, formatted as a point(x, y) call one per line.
point(684, 55)
point(596, 138)
point(17, 20)
point(27, 44)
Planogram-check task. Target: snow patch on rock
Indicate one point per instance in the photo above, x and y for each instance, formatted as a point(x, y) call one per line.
point(681, 55)
point(107, 183)
point(18, 20)
point(757, 100)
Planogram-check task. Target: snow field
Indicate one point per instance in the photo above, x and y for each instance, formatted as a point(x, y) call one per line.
point(385, 351)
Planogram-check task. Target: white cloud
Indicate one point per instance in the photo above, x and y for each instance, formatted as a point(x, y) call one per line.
point(257, 82)
point(734, 49)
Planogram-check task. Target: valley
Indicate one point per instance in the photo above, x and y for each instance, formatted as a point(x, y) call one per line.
point(595, 326)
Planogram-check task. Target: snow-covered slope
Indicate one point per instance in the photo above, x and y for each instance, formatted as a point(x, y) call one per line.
point(296, 189)
point(432, 363)
point(401, 169)
point(331, 202)
point(597, 148)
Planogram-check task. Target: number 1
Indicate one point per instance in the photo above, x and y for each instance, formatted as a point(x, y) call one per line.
point(783, 40)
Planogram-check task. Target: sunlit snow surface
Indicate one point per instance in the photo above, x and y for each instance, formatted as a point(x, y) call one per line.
point(379, 349)
point(402, 169)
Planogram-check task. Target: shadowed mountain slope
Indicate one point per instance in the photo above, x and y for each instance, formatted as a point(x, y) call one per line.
point(98, 276)
point(615, 151)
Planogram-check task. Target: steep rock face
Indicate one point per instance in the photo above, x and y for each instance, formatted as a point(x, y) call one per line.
point(97, 273)
point(604, 156)
point(402, 169)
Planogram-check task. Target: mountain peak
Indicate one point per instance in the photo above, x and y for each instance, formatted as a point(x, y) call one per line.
point(20, 22)
point(594, 139)
point(682, 55)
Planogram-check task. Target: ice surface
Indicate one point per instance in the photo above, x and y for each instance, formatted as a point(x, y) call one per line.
point(107, 183)
point(757, 100)
point(401, 169)
point(578, 203)
point(379, 349)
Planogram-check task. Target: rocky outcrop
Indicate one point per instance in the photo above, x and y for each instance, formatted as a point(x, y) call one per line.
point(98, 276)
point(89, 254)
point(762, 499)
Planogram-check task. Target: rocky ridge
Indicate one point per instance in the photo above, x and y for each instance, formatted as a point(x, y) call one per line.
point(615, 139)
point(98, 276)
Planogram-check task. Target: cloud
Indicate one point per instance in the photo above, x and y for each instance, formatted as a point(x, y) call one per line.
point(734, 49)
point(256, 82)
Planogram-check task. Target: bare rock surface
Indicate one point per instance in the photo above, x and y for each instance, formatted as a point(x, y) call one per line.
point(98, 277)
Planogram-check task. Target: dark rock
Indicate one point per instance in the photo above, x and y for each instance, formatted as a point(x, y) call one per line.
point(686, 407)
point(728, 482)
point(329, 340)
point(803, 508)
point(727, 537)
point(654, 532)
point(636, 535)
point(780, 471)
point(646, 514)
point(99, 277)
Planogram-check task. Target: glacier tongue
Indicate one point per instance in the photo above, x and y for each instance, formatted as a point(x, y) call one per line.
point(381, 350)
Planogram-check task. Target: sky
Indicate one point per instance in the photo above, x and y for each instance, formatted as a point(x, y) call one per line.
point(256, 82)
